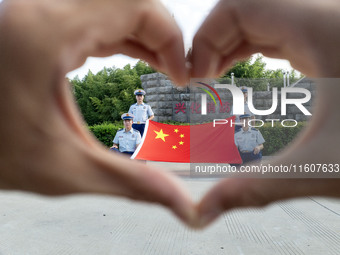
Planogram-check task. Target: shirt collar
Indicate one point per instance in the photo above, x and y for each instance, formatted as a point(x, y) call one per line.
point(243, 131)
point(131, 131)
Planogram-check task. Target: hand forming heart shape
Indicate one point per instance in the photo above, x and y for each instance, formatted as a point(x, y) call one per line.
point(43, 40)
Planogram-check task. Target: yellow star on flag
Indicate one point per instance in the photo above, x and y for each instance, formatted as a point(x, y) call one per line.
point(174, 147)
point(181, 136)
point(161, 135)
point(176, 130)
point(181, 143)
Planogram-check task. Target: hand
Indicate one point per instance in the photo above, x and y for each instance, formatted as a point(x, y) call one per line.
point(257, 150)
point(282, 29)
point(45, 147)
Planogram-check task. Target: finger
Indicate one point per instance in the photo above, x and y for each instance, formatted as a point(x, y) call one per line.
point(231, 31)
point(243, 52)
point(166, 40)
point(131, 47)
point(233, 24)
point(157, 35)
point(305, 150)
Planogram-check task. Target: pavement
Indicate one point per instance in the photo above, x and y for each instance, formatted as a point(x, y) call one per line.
point(89, 224)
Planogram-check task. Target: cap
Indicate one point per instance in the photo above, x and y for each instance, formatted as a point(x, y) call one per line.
point(127, 116)
point(139, 92)
point(244, 89)
point(245, 116)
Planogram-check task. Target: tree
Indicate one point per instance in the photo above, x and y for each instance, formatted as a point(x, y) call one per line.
point(254, 74)
point(108, 94)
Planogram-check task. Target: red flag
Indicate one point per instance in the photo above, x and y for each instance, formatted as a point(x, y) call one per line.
point(163, 142)
point(202, 143)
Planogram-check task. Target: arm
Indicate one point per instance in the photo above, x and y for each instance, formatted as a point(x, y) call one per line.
point(138, 140)
point(236, 29)
point(52, 38)
point(150, 113)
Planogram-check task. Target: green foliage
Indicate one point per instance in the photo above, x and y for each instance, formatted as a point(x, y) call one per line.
point(246, 69)
point(106, 132)
point(109, 93)
point(254, 74)
point(278, 137)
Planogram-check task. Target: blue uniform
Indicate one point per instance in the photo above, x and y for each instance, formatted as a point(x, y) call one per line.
point(246, 141)
point(238, 120)
point(127, 141)
point(141, 113)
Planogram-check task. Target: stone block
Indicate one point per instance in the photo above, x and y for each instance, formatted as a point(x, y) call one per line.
point(295, 95)
point(152, 104)
point(163, 97)
point(165, 105)
point(305, 85)
point(302, 117)
point(151, 98)
point(145, 77)
point(176, 97)
point(180, 117)
point(293, 109)
point(180, 89)
point(185, 97)
point(259, 103)
point(164, 112)
point(263, 95)
point(163, 118)
point(165, 90)
point(151, 91)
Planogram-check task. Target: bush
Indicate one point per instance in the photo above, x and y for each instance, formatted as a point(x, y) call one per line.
point(106, 132)
point(278, 137)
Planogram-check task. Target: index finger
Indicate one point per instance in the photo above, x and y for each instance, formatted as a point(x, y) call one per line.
point(237, 29)
point(141, 29)
point(160, 33)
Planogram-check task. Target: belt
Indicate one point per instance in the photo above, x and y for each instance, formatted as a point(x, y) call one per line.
point(246, 151)
point(139, 122)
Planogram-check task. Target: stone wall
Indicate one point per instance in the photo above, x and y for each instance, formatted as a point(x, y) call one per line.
point(171, 103)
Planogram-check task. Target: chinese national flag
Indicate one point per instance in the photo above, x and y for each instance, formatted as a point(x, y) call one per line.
point(188, 144)
point(163, 142)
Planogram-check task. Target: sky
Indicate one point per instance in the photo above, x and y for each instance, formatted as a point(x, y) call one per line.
point(189, 15)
